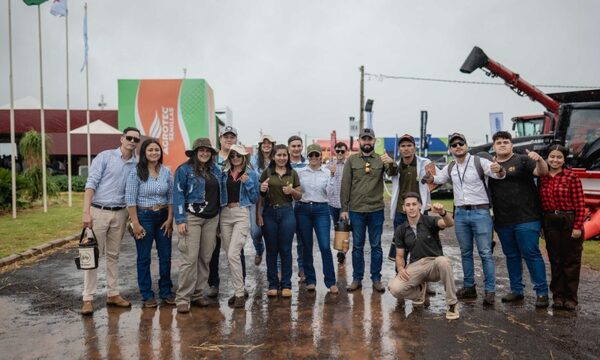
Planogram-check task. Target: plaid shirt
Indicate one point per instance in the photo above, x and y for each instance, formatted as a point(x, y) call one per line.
point(334, 195)
point(563, 192)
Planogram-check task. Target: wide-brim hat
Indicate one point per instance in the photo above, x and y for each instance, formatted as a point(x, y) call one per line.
point(198, 143)
point(240, 149)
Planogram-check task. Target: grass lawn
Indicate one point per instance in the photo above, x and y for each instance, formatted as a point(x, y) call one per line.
point(34, 227)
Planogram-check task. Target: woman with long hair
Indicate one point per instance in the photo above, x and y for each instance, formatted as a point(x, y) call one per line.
point(279, 187)
point(239, 192)
point(259, 163)
point(196, 200)
point(561, 194)
point(149, 194)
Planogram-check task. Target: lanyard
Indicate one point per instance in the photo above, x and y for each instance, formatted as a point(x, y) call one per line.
point(464, 172)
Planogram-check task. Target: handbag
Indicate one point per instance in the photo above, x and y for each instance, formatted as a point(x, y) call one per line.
point(88, 252)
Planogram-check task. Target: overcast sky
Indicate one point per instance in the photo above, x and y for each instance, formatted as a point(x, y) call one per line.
point(288, 67)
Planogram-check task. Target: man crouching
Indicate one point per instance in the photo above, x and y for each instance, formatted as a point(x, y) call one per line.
point(419, 236)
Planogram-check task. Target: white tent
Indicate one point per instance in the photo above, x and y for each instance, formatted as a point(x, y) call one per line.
point(96, 127)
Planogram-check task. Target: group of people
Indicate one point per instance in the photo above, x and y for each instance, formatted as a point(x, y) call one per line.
point(218, 198)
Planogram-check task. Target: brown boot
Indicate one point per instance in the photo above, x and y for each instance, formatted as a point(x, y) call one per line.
point(117, 301)
point(87, 308)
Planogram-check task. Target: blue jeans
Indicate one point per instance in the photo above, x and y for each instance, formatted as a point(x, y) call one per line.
point(256, 233)
point(399, 219)
point(521, 242)
point(316, 216)
point(151, 222)
point(475, 226)
point(278, 229)
point(361, 223)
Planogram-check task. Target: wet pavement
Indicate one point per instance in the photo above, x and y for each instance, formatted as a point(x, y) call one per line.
point(40, 302)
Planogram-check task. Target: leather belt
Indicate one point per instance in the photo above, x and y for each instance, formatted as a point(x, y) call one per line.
point(110, 208)
point(279, 206)
point(312, 202)
point(559, 212)
point(156, 207)
point(233, 205)
point(474, 207)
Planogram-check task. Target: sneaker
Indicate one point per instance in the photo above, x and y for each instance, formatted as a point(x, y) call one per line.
point(183, 308)
point(201, 302)
point(341, 258)
point(169, 300)
point(542, 302)
point(150, 303)
point(354, 285)
point(378, 286)
point(286, 293)
point(231, 300)
point(421, 299)
point(570, 305)
point(87, 308)
point(257, 260)
point(466, 293)
point(334, 289)
point(311, 287)
point(117, 301)
point(212, 292)
point(272, 293)
point(489, 298)
point(452, 312)
point(302, 276)
point(512, 297)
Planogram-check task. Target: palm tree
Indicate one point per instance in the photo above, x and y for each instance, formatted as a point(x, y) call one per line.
point(30, 148)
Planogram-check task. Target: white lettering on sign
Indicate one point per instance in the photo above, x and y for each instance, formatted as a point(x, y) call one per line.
point(167, 125)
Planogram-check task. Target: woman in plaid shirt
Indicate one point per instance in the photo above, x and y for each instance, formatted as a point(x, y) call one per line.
point(562, 202)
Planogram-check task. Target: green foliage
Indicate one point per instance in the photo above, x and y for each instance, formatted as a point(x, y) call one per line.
point(6, 189)
point(77, 182)
point(30, 147)
point(33, 178)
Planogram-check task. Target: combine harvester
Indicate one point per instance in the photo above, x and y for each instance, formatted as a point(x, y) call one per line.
point(572, 119)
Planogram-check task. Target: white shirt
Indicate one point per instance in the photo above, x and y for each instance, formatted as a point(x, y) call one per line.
point(466, 184)
point(315, 184)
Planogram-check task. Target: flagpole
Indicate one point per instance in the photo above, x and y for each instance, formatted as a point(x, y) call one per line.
point(42, 119)
point(69, 172)
point(13, 146)
point(87, 101)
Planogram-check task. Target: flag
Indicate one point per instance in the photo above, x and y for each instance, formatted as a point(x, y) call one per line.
point(85, 40)
point(34, 2)
point(59, 8)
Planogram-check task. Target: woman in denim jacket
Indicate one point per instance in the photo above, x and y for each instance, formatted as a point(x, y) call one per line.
point(196, 206)
point(239, 191)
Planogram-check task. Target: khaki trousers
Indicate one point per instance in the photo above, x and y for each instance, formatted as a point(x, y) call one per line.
point(235, 227)
point(196, 249)
point(430, 269)
point(109, 227)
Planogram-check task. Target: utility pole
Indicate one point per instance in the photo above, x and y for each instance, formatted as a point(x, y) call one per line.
point(361, 117)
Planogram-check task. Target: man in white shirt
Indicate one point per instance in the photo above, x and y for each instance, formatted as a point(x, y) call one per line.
point(473, 222)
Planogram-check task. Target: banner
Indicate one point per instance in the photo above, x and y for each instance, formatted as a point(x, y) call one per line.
point(176, 112)
point(59, 8)
point(496, 122)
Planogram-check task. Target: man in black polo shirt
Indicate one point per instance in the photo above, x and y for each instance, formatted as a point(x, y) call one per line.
point(419, 236)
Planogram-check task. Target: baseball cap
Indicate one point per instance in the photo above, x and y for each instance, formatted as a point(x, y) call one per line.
point(267, 137)
point(367, 132)
point(456, 136)
point(313, 148)
point(227, 129)
point(406, 137)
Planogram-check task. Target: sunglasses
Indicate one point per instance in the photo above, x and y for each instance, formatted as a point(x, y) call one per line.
point(340, 151)
point(132, 139)
point(234, 155)
point(314, 155)
point(457, 144)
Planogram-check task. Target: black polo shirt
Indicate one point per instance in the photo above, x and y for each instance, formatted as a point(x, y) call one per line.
point(426, 243)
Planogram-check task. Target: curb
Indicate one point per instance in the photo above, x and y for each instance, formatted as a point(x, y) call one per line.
point(36, 251)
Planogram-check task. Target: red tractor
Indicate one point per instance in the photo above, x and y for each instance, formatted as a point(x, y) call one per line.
point(572, 119)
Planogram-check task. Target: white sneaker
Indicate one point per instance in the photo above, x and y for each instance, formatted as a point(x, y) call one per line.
point(452, 312)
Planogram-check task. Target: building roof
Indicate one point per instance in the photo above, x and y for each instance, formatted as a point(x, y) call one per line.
point(55, 120)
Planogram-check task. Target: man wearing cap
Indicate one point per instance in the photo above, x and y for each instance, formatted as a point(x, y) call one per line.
point(473, 222)
point(411, 168)
point(336, 168)
point(297, 161)
point(227, 138)
point(104, 210)
point(362, 204)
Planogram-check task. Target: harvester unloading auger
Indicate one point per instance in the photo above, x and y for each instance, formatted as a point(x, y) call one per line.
point(573, 121)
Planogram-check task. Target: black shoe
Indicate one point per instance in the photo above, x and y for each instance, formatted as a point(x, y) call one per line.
point(466, 293)
point(558, 303)
point(341, 257)
point(512, 297)
point(231, 300)
point(489, 298)
point(542, 302)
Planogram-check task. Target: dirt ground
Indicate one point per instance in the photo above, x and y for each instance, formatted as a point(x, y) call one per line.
point(40, 302)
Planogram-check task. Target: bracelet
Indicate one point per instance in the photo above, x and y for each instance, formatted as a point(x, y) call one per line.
point(444, 214)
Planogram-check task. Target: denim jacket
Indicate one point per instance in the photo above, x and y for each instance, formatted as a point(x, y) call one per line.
point(188, 188)
point(248, 190)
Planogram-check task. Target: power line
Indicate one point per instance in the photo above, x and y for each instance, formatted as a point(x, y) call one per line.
point(382, 77)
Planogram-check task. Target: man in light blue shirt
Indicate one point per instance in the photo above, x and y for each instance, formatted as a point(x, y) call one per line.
point(104, 211)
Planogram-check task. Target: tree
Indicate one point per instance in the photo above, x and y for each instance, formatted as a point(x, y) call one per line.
point(30, 147)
